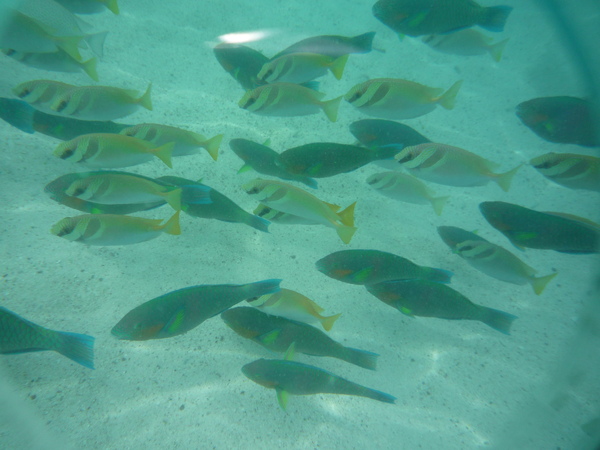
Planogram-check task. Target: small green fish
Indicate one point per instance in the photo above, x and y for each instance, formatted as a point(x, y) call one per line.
point(58, 61)
point(179, 311)
point(90, 6)
point(293, 200)
point(100, 102)
point(301, 68)
point(393, 98)
point(287, 99)
point(452, 166)
point(294, 306)
point(112, 229)
point(405, 188)
point(378, 133)
point(41, 93)
point(429, 299)
point(290, 377)
point(107, 151)
point(331, 45)
point(278, 333)
point(570, 170)
point(18, 335)
point(280, 217)
point(373, 266)
point(242, 63)
point(525, 227)
point(186, 142)
point(466, 42)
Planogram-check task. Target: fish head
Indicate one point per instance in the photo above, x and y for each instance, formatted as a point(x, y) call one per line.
point(408, 154)
point(475, 249)
point(23, 90)
point(66, 150)
point(250, 99)
point(137, 327)
point(356, 92)
point(261, 372)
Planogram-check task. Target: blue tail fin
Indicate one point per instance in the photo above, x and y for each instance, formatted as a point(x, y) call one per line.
point(78, 347)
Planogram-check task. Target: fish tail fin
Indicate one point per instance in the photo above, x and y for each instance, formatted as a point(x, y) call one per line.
point(364, 41)
point(173, 198)
point(259, 223)
point(361, 358)
point(172, 225)
point(440, 275)
point(71, 46)
point(330, 108)
point(376, 395)
point(164, 153)
point(504, 179)
point(89, 67)
point(345, 233)
point(438, 204)
point(113, 6)
point(448, 99)
point(347, 215)
point(96, 42)
point(497, 49)
point(337, 66)
point(212, 146)
point(19, 114)
point(539, 283)
point(498, 320)
point(327, 322)
point(145, 99)
point(77, 347)
point(495, 17)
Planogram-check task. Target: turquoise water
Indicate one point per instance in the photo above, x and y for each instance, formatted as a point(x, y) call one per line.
point(459, 384)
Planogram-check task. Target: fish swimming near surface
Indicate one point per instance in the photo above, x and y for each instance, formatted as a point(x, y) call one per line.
point(452, 166)
point(288, 99)
point(378, 133)
point(58, 61)
point(373, 266)
point(467, 42)
point(293, 200)
point(394, 98)
point(406, 188)
point(41, 93)
point(179, 311)
point(527, 228)
point(19, 335)
point(242, 63)
point(429, 299)
point(420, 17)
point(301, 68)
point(90, 6)
point(331, 45)
point(563, 120)
point(113, 229)
point(291, 377)
point(278, 333)
point(569, 170)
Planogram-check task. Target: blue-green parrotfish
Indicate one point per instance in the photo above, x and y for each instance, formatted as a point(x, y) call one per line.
point(331, 45)
point(242, 63)
point(19, 335)
point(429, 299)
point(570, 170)
point(378, 133)
point(179, 311)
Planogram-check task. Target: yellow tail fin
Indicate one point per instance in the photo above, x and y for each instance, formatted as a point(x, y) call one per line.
point(504, 179)
point(327, 322)
point(539, 283)
point(212, 146)
point(164, 153)
point(145, 100)
point(337, 66)
point(330, 108)
point(172, 225)
point(449, 97)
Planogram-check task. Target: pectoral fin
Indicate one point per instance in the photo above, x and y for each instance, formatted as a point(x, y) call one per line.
point(282, 398)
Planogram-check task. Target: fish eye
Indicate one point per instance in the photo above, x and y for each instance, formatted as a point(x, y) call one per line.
point(67, 153)
point(66, 230)
point(78, 191)
point(355, 97)
point(268, 74)
point(250, 102)
point(24, 93)
point(253, 190)
point(62, 105)
point(261, 213)
point(408, 157)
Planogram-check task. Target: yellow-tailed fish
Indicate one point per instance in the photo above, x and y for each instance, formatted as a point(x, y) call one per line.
point(107, 150)
point(294, 306)
point(452, 166)
point(287, 99)
point(331, 45)
point(570, 170)
point(293, 200)
point(186, 142)
point(393, 98)
point(467, 42)
point(113, 229)
point(276, 216)
point(100, 102)
point(90, 6)
point(58, 61)
point(41, 93)
point(406, 188)
point(301, 68)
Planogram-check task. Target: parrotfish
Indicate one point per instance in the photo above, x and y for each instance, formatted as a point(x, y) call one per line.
point(58, 61)
point(290, 377)
point(373, 266)
point(331, 45)
point(179, 311)
point(186, 142)
point(394, 98)
point(418, 17)
point(378, 133)
point(18, 113)
point(220, 207)
point(294, 306)
point(429, 299)
point(90, 6)
point(564, 120)
point(406, 188)
point(41, 93)
point(106, 150)
point(301, 68)
point(288, 99)
point(112, 229)
point(570, 170)
point(293, 200)
point(525, 227)
point(467, 42)
point(19, 335)
point(100, 102)
point(278, 333)
point(280, 217)
point(265, 161)
point(452, 166)
point(242, 63)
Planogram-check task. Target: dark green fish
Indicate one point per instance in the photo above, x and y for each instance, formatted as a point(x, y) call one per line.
point(332, 46)
point(564, 120)
point(17, 113)
point(242, 63)
point(525, 227)
point(264, 160)
point(221, 207)
point(373, 266)
point(290, 377)
point(179, 311)
point(278, 333)
point(420, 17)
point(326, 159)
point(379, 133)
point(18, 335)
point(428, 299)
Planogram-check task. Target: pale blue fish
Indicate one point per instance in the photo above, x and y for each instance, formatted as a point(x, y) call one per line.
point(301, 68)
point(58, 61)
